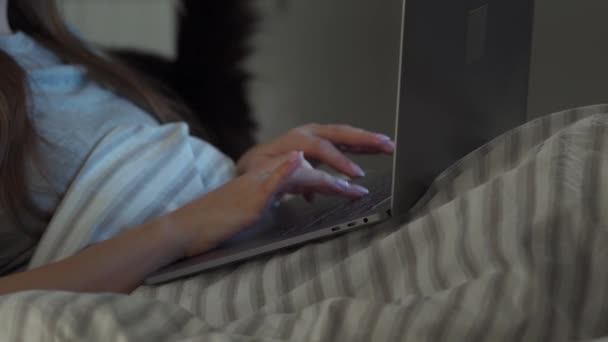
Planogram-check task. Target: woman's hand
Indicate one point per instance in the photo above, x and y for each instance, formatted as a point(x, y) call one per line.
point(121, 263)
point(321, 143)
point(224, 212)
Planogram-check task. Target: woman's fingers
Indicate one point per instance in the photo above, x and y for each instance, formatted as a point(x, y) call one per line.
point(354, 137)
point(307, 180)
point(357, 149)
point(329, 143)
point(291, 173)
point(325, 152)
point(324, 144)
point(281, 170)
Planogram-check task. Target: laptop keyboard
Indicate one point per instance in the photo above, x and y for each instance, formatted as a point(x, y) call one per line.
point(380, 190)
point(339, 212)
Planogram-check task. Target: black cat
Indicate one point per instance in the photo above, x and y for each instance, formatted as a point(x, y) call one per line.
point(207, 73)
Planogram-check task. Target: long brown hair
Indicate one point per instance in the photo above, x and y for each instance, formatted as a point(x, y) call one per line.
point(41, 20)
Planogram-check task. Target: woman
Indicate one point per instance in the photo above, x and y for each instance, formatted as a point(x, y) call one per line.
point(58, 99)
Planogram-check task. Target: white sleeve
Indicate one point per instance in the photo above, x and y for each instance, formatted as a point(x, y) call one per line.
point(134, 174)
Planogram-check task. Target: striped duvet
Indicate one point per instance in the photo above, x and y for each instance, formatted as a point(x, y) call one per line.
point(509, 244)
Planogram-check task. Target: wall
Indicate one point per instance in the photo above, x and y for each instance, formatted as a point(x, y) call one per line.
point(143, 24)
point(570, 55)
point(328, 61)
point(315, 60)
point(569, 64)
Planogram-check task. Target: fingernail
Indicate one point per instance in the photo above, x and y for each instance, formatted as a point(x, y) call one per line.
point(343, 184)
point(297, 156)
point(390, 144)
point(357, 170)
point(383, 137)
point(359, 189)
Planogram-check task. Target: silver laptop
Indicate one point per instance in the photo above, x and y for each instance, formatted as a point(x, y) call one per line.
point(464, 70)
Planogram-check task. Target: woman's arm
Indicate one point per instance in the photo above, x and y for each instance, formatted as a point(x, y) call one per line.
point(121, 263)
point(117, 265)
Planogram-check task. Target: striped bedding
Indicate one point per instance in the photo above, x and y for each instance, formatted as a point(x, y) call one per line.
point(509, 244)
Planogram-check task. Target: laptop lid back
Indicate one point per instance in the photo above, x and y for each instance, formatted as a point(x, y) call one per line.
point(463, 81)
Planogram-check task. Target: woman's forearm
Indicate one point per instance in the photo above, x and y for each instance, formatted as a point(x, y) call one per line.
point(117, 265)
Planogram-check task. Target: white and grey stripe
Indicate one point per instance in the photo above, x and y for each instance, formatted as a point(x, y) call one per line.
point(510, 245)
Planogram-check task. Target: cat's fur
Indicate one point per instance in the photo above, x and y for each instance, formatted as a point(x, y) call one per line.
point(207, 74)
